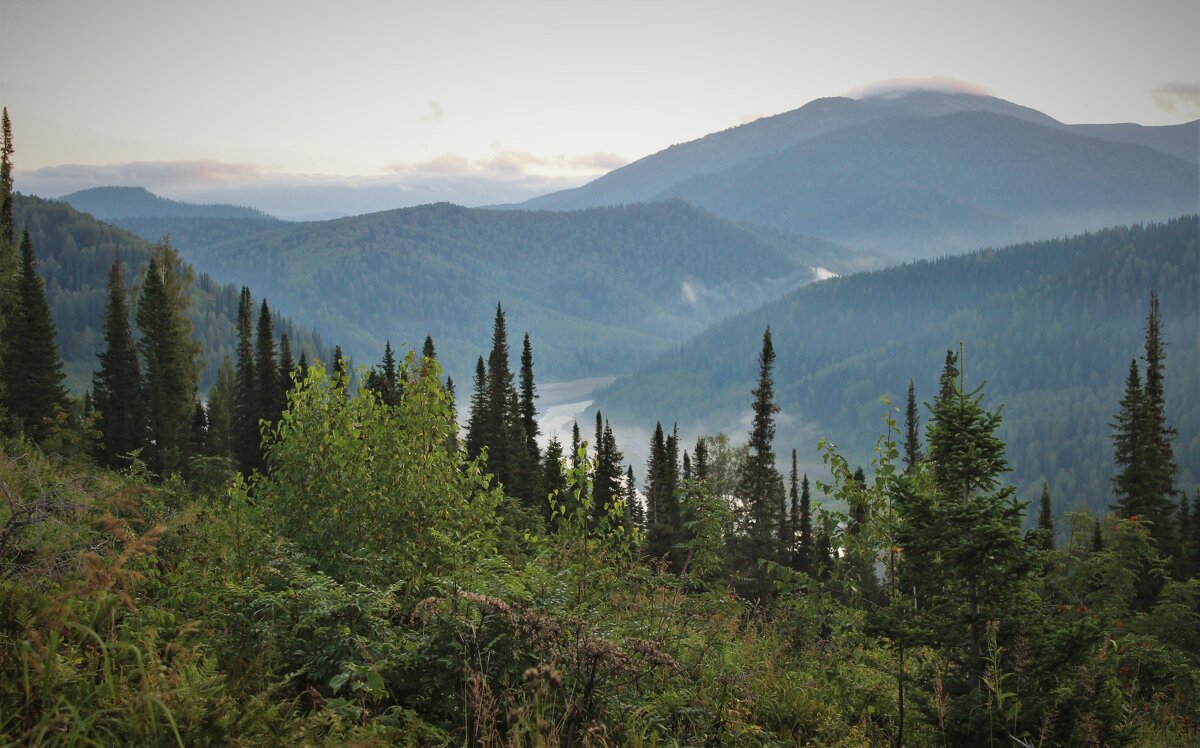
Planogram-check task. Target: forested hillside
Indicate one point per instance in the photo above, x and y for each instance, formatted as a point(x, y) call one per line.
point(75, 252)
point(1052, 326)
point(600, 290)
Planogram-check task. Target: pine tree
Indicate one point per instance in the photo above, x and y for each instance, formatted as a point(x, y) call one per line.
point(266, 370)
point(1097, 537)
point(1046, 519)
point(791, 527)
point(302, 365)
point(912, 431)
point(427, 350)
point(948, 376)
point(700, 464)
point(1160, 454)
point(384, 380)
point(246, 393)
point(33, 370)
point(287, 371)
point(10, 264)
point(660, 535)
point(475, 419)
point(222, 405)
point(637, 512)
point(759, 474)
point(806, 544)
point(528, 407)
point(553, 478)
point(200, 444)
point(118, 382)
point(576, 444)
point(499, 433)
point(341, 368)
point(170, 359)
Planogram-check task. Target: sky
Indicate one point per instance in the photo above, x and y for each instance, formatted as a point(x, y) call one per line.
point(301, 107)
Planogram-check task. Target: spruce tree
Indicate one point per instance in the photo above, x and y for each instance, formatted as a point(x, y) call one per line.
point(302, 365)
point(10, 264)
point(528, 407)
point(169, 357)
point(266, 369)
point(912, 431)
point(792, 525)
point(341, 368)
point(553, 478)
point(576, 444)
point(637, 512)
point(246, 393)
point(1046, 519)
point(759, 476)
point(200, 427)
point(659, 531)
point(33, 370)
point(498, 432)
point(287, 371)
point(222, 405)
point(427, 350)
point(1183, 558)
point(948, 376)
point(700, 463)
point(805, 543)
point(1160, 454)
point(117, 383)
point(475, 419)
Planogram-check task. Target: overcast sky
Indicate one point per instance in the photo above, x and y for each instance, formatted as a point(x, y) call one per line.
point(523, 96)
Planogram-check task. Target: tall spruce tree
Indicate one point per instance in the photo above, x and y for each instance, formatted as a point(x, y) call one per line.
point(700, 461)
point(246, 401)
point(498, 415)
point(1046, 519)
point(10, 264)
point(33, 370)
point(805, 542)
point(287, 370)
point(428, 352)
point(637, 512)
point(1160, 454)
point(169, 357)
point(759, 476)
point(222, 405)
point(660, 505)
point(792, 526)
point(266, 369)
point(117, 383)
point(475, 418)
point(948, 376)
point(553, 477)
point(528, 407)
point(1131, 442)
point(912, 430)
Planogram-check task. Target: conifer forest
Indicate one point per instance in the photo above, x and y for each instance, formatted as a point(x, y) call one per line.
point(960, 505)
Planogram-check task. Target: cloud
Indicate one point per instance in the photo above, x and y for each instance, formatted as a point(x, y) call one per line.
point(896, 86)
point(510, 164)
point(1172, 97)
point(144, 173)
point(435, 113)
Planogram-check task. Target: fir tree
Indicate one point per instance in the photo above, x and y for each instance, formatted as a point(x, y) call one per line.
point(384, 380)
point(637, 512)
point(792, 525)
point(222, 405)
point(806, 544)
point(200, 427)
point(266, 370)
point(948, 376)
point(1097, 537)
point(475, 419)
point(341, 368)
point(1046, 519)
point(501, 414)
point(287, 371)
point(117, 383)
point(302, 365)
point(1160, 455)
point(759, 475)
point(246, 402)
point(912, 431)
point(528, 407)
point(33, 370)
point(660, 535)
point(169, 357)
point(576, 444)
point(427, 350)
point(9, 262)
point(700, 463)
point(553, 479)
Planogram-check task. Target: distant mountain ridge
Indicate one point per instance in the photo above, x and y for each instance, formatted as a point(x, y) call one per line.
point(109, 203)
point(598, 290)
point(754, 164)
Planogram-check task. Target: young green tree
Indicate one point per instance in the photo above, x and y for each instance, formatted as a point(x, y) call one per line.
point(287, 369)
point(117, 384)
point(805, 542)
point(222, 404)
point(33, 372)
point(475, 419)
point(1159, 499)
point(528, 407)
point(791, 527)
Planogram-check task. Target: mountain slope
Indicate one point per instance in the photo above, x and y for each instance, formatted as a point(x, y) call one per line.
point(776, 171)
point(1051, 326)
point(598, 290)
point(107, 203)
point(987, 177)
point(75, 252)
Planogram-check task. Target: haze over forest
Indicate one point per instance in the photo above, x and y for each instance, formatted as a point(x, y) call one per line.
point(634, 375)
